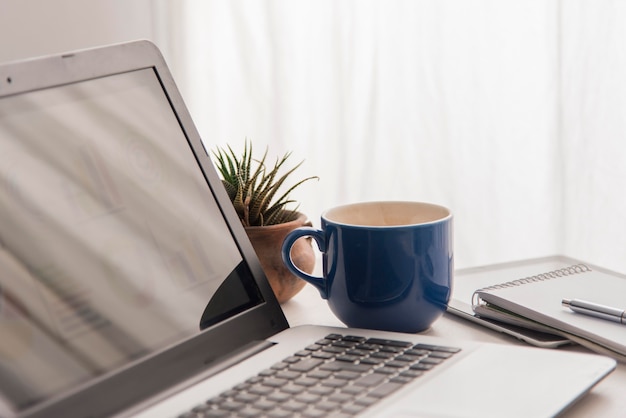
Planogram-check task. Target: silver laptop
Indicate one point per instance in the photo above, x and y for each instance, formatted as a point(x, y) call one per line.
point(128, 286)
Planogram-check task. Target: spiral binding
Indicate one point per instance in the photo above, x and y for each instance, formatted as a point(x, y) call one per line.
point(567, 271)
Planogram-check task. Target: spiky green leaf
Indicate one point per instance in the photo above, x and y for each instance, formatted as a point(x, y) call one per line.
point(253, 188)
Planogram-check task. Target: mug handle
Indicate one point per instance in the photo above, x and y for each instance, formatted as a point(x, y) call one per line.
point(318, 282)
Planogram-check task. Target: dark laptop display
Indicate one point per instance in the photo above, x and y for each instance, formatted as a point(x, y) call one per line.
point(111, 241)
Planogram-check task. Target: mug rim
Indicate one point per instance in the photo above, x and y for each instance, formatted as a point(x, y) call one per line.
point(445, 218)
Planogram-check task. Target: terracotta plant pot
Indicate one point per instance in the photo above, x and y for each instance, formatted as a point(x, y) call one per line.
point(267, 242)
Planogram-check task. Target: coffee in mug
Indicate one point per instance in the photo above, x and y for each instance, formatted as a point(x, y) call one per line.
point(386, 265)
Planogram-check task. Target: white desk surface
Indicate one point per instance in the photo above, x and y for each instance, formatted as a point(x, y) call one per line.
point(607, 399)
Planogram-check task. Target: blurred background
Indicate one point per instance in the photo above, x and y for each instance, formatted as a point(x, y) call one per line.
point(512, 113)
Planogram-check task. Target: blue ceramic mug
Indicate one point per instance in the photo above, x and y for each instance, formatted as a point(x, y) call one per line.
point(386, 265)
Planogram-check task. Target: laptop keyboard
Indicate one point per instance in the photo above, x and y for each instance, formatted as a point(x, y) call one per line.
point(339, 375)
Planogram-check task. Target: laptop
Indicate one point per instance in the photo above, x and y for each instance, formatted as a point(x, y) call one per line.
point(129, 288)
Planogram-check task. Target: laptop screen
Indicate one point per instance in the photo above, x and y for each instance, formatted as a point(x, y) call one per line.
point(111, 243)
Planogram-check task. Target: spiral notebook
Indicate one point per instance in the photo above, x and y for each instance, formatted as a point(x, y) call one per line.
point(468, 280)
point(534, 301)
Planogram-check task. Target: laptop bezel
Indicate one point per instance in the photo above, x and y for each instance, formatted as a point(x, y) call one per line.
point(147, 377)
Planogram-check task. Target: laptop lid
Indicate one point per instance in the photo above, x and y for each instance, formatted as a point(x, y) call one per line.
point(115, 233)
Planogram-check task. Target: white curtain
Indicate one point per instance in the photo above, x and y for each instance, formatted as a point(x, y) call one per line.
point(511, 113)
point(593, 134)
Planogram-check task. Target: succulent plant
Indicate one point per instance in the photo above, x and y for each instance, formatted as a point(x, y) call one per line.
point(253, 187)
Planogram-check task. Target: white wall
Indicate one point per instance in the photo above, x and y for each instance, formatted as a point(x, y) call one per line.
point(593, 105)
point(39, 27)
point(511, 112)
point(447, 101)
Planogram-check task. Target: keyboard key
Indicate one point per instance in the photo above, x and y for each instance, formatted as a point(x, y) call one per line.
point(334, 383)
point(305, 365)
point(437, 348)
point(407, 358)
point(287, 374)
point(314, 413)
point(242, 386)
point(431, 360)
point(267, 373)
point(353, 409)
point(344, 344)
point(319, 374)
point(295, 406)
point(306, 381)
point(340, 415)
point(201, 408)
point(401, 379)
point(254, 379)
point(229, 393)
point(370, 380)
point(232, 405)
point(328, 406)
point(372, 360)
point(274, 382)
point(308, 398)
point(280, 366)
point(264, 404)
point(292, 389)
point(216, 413)
point(343, 365)
point(246, 397)
point(385, 389)
point(417, 352)
point(352, 390)
point(391, 349)
point(321, 390)
point(356, 352)
point(381, 354)
point(340, 397)
point(249, 412)
point(333, 349)
point(367, 347)
point(441, 354)
point(216, 400)
point(348, 358)
point(394, 343)
point(280, 413)
point(421, 366)
point(347, 375)
point(354, 338)
point(279, 397)
point(396, 364)
point(366, 400)
point(386, 370)
point(261, 390)
point(411, 373)
point(322, 355)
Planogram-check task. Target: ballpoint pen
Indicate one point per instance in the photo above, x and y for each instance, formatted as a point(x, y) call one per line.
point(596, 310)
